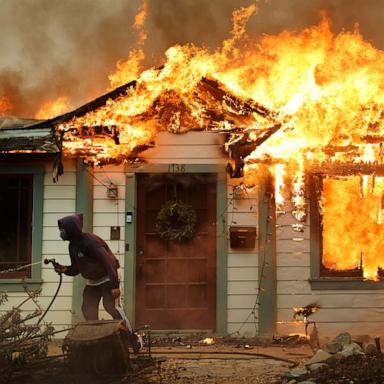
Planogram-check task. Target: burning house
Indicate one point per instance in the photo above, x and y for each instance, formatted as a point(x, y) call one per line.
point(233, 187)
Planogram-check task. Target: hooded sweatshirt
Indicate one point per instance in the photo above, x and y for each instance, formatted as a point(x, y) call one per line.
point(90, 255)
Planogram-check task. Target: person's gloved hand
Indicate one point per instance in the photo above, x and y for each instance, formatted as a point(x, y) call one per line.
point(116, 292)
point(60, 268)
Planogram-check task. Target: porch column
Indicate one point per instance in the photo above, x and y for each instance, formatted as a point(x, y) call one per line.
point(267, 256)
point(84, 205)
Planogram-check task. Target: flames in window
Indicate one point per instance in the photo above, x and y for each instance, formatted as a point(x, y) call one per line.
point(353, 228)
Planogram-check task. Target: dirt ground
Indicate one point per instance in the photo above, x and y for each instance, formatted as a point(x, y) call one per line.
point(227, 363)
point(214, 367)
point(187, 361)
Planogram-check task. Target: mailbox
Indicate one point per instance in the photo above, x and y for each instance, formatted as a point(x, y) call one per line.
point(242, 237)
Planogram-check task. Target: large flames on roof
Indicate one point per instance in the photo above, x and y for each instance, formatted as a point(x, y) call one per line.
point(325, 89)
point(319, 94)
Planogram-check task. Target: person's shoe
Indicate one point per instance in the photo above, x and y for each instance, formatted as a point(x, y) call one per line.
point(136, 342)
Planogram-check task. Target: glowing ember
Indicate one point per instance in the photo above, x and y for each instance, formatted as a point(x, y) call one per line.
point(53, 108)
point(207, 341)
point(302, 313)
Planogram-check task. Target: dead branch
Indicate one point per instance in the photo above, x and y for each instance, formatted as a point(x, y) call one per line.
point(22, 341)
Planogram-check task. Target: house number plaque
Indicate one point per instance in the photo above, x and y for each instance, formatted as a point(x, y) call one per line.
point(176, 168)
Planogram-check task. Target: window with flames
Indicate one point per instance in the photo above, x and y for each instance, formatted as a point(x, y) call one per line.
point(348, 225)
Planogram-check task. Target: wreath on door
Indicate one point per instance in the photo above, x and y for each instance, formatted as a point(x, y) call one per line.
point(176, 220)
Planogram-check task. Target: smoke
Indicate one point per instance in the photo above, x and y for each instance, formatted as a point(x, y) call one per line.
point(52, 48)
point(277, 15)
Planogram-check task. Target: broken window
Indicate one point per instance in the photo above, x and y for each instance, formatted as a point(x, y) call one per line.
point(347, 225)
point(16, 199)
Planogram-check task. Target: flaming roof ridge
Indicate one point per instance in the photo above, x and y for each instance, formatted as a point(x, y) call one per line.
point(91, 105)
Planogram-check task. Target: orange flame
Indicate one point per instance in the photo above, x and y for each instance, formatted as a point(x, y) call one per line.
point(130, 69)
point(53, 108)
point(353, 231)
point(127, 70)
point(239, 17)
point(5, 105)
point(325, 90)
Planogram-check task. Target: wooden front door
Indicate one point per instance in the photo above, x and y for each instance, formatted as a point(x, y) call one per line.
point(176, 280)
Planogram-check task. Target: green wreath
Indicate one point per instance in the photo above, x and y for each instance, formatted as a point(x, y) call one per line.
point(176, 220)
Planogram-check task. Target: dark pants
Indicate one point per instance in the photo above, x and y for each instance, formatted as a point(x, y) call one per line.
point(91, 300)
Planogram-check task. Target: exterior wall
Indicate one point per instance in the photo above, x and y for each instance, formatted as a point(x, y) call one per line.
point(59, 200)
point(243, 264)
point(293, 270)
point(187, 148)
point(355, 311)
point(109, 212)
point(242, 270)
point(193, 148)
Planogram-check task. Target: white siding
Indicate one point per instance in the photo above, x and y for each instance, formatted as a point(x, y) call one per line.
point(59, 200)
point(243, 272)
point(357, 312)
point(187, 148)
point(109, 212)
point(354, 311)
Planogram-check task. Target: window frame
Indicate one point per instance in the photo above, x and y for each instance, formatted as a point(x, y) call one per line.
point(18, 189)
point(317, 281)
point(16, 284)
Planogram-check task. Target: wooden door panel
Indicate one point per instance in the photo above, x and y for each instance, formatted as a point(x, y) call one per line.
point(155, 270)
point(176, 280)
point(155, 296)
point(155, 246)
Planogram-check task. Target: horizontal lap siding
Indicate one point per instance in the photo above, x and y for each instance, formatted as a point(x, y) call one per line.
point(358, 312)
point(293, 270)
point(189, 148)
point(243, 265)
point(59, 201)
point(108, 212)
